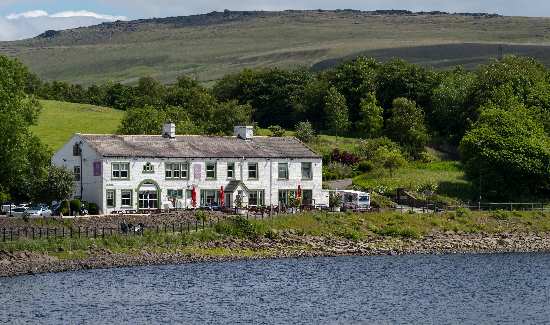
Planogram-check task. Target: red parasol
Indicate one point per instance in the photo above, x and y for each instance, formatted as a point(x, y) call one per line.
point(194, 197)
point(299, 194)
point(222, 197)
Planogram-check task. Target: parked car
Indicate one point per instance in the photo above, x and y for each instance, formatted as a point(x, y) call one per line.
point(7, 207)
point(38, 211)
point(18, 212)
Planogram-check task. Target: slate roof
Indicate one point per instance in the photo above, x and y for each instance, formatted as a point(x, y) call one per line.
point(197, 146)
point(233, 185)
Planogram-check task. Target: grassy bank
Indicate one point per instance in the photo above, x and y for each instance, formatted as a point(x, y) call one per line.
point(350, 226)
point(58, 121)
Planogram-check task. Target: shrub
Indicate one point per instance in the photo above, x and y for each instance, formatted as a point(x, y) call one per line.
point(276, 131)
point(462, 212)
point(65, 208)
point(335, 199)
point(93, 209)
point(75, 206)
point(305, 132)
point(239, 227)
point(335, 170)
point(365, 166)
point(344, 157)
point(368, 148)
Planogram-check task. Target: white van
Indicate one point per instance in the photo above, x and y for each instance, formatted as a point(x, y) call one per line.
point(355, 200)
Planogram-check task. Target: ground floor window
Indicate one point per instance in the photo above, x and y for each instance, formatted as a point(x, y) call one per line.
point(256, 198)
point(126, 198)
point(285, 196)
point(307, 197)
point(175, 194)
point(210, 197)
point(148, 200)
point(111, 202)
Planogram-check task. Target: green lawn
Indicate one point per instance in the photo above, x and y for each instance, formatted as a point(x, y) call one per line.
point(447, 175)
point(60, 120)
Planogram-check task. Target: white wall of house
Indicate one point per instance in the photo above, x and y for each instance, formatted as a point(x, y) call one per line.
point(91, 185)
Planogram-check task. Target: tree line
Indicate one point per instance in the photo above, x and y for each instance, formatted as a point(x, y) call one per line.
point(498, 115)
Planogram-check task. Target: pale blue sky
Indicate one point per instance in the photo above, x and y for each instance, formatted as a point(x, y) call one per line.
point(61, 14)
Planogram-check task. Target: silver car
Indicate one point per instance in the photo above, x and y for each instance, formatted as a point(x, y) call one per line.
point(18, 212)
point(38, 212)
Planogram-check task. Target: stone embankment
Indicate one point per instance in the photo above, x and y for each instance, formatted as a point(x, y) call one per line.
point(285, 245)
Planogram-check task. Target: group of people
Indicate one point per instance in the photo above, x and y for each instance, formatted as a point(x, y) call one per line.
point(126, 228)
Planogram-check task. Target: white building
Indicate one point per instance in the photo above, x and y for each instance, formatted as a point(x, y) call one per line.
point(133, 172)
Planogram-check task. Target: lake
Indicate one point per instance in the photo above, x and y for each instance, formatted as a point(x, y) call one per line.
point(471, 289)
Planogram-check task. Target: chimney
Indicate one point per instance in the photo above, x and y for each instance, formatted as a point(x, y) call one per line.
point(244, 132)
point(169, 130)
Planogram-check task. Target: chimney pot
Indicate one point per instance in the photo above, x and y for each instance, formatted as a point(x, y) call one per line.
point(169, 130)
point(244, 132)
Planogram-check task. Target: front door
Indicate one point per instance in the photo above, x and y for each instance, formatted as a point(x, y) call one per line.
point(148, 200)
point(228, 200)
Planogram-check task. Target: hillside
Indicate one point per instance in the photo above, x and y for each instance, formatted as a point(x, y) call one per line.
point(59, 121)
point(211, 45)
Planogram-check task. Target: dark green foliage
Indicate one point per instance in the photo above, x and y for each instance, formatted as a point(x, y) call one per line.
point(371, 118)
point(56, 186)
point(276, 131)
point(507, 154)
point(336, 113)
point(93, 209)
point(75, 206)
point(406, 126)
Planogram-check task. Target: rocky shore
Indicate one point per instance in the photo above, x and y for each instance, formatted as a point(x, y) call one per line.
point(286, 245)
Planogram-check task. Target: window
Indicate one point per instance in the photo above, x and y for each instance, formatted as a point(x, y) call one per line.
point(210, 170)
point(76, 172)
point(121, 170)
point(286, 195)
point(76, 150)
point(177, 170)
point(307, 197)
point(209, 197)
point(175, 194)
point(252, 170)
point(126, 198)
point(148, 200)
point(148, 168)
point(256, 198)
point(231, 170)
point(111, 200)
point(283, 171)
point(307, 171)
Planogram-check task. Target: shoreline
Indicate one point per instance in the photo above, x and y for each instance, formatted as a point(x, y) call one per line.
point(286, 246)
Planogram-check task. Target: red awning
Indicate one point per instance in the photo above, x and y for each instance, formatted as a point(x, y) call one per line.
point(222, 197)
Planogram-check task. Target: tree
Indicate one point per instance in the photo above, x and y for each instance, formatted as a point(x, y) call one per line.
point(406, 126)
point(305, 131)
point(507, 154)
point(371, 120)
point(57, 186)
point(22, 157)
point(389, 158)
point(228, 114)
point(145, 120)
point(336, 112)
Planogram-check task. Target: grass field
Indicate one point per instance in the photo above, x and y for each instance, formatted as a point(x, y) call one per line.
point(208, 51)
point(58, 121)
point(447, 176)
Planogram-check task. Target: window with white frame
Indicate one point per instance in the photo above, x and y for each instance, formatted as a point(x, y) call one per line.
point(111, 198)
point(120, 170)
point(76, 172)
point(307, 170)
point(230, 170)
point(283, 170)
point(177, 170)
point(126, 198)
point(252, 170)
point(211, 170)
point(148, 168)
point(256, 198)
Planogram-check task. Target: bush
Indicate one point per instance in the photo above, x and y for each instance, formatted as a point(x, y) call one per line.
point(335, 199)
point(93, 209)
point(276, 131)
point(337, 170)
point(365, 166)
point(65, 208)
point(75, 206)
point(305, 132)
point(368, 148)
point(344, 157)
point(239, 227)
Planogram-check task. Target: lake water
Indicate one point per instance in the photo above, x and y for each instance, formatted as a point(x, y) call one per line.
point(471, 289)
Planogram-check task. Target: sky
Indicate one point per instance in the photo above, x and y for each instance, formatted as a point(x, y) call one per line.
point(27, 18)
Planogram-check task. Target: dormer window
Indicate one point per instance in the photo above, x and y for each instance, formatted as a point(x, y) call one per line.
point(76, 150)
point(148, 168)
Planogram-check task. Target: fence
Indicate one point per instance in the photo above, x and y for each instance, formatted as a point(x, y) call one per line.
point(37, 233)
point(510, 206)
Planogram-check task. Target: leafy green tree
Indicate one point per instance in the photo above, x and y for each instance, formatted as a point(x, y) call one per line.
point(336, 112)
point(305, 132)
point(507, 154)
point(56, 186)
point(23, 156)
point(406, 126)
point(228, 114)
point(145, 120)
point(389, 159)
point(371, 119)
point(453, 107)
point(150, 91)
